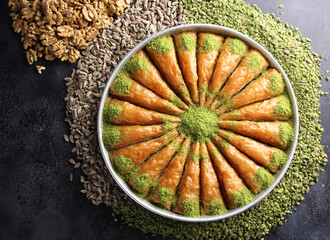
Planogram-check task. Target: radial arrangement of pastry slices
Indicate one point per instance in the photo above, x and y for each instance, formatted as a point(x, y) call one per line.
point(198, 123)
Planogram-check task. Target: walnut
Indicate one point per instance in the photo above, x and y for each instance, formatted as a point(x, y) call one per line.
point(60, 28)
point(31, 56)
point(40, 69)
point(65, 31)
point(89, 13)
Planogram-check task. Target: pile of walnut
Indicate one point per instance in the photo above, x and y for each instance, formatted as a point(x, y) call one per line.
point(60, 28)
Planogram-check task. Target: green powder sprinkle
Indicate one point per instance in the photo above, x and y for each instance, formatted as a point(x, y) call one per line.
point(236, 46)
point(195, 157)
point(278, 159)
point(209, 43)
point(199, 123)
point(184, 90)
point(255, 62)
point(112, 111)
point(203, 88)
point(167, 124)
point(110, 136)
point(230, 136)
point(187, 42)
point(135, 64)
point(71, 177)
point(123, 163)
point(169, 105)
point(276, 84)
point(190, 208)
point(204, 157)
point(215, 153)
point(121, 85)
point(224, 144)
point(142, 181)
point(183, 150)
point(165, 194)
point(283, 107)
point(263, 178)
point(233, 123)
point(286, 133)
point(235, 114)
point(264, 73)
point(162, 44)
point(242, 197)
point(216, 207)
point(176, 100)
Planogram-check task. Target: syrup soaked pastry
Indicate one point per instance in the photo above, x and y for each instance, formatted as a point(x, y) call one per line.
point(186, 48)
point(208, 52)
point(169, 181)
point(127, 158)
point(256, 177)
point(140, 68)
point(122, 112)
point(232, 52)
point(277, 108)
point(250, 67)
point(268, 85)
point(278, 134)
point(162, 52)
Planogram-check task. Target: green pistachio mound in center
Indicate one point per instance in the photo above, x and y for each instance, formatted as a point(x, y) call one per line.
point(162, 44)
point(255, 62)
point(263, 178)
point(209, 43)
point(236, 46)
point(199, 123)
point(187, 42)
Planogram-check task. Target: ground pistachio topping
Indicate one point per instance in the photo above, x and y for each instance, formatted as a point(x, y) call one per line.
point(121, 85)
point(175, 99)
point(135, 64)
point(255, 62)
point(162, 44)
point(187, 42)
point(283, 107)
point(284, 42)
point(236, 46)
point(190, 208)
point(216, 207)
point(242, 197)
point(123, 163)
point(199, 123)
point(276, 84)
point(278, 159)
point(142, 181)
point(184, 90)
point(209, 43)
point(165, 194)
point(111, 112)
point(110, 136)
point(263, 178)
point(204, 157)
point(195, 157)
point(167, 124)
point(286, 133)
point(224, 144)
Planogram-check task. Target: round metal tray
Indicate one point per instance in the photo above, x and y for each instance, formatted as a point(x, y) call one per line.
point(225, 32)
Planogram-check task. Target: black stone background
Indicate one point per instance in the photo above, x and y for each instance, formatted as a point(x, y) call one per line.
point(37, 200)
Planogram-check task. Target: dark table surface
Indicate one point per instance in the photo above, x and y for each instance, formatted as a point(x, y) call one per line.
point(37, 200)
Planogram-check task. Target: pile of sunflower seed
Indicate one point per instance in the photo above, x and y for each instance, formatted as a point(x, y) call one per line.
point(87, 81)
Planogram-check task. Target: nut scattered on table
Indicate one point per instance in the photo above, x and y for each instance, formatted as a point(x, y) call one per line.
point(59, 29)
